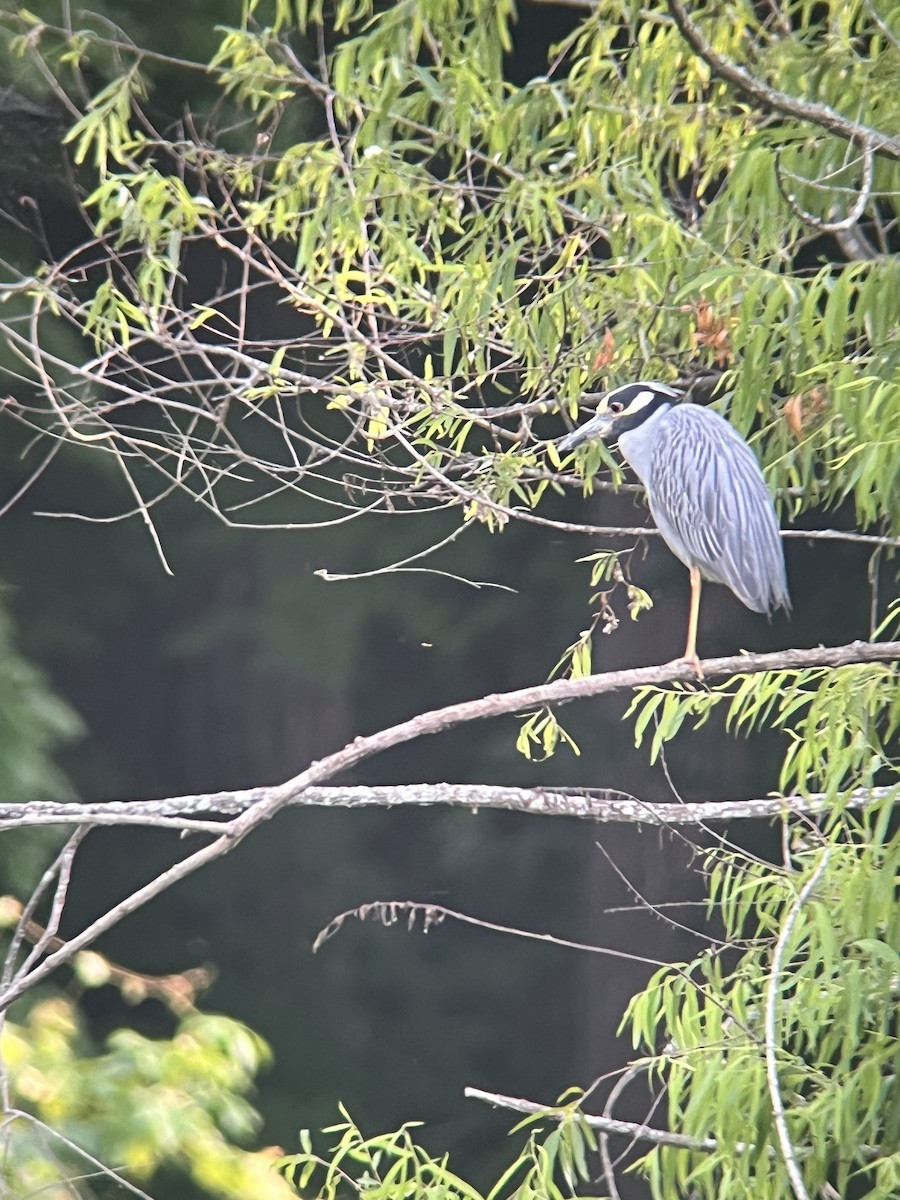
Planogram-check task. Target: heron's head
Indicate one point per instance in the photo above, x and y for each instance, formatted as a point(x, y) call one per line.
point(623, 408)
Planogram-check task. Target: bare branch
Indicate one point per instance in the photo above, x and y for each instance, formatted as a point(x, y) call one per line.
point(770, 98)
point(855, 245)
point(841, 535)
point(558, 692)
point(603, 805)
point(886, 30)
point(47, 936)
point(610, 1125)
point(101, 1170)
point(389, 912)
point(178, 992)
point(625, 1079)
point(60, 870)
point(855, 214)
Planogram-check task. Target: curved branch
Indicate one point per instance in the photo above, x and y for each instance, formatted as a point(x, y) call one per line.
point(101, 1169)
point(177, 990)
point(624, 1081)
point(560, 691)
point(768, 97)
point(853, 216)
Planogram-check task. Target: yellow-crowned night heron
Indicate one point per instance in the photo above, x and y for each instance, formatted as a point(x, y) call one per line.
point(706, 492)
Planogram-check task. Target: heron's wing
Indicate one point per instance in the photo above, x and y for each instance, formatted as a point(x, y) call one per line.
point(711, 503)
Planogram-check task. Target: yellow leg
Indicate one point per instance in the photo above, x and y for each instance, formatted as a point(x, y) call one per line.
point(690, 650)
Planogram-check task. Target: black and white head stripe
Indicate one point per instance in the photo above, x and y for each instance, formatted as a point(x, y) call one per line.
point(636, 397)
point(623, 408)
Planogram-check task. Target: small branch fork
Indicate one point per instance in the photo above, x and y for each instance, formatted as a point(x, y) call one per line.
point(608, 1125)
point(271, 800)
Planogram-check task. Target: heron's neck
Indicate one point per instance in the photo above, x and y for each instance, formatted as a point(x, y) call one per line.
point(637, 444)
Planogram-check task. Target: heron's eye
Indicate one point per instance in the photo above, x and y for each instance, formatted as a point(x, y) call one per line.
point(616, 406)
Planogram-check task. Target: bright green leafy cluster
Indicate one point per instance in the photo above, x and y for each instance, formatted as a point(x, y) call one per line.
point(824, 753)
point(393, 1166)
point(462, 254)
point(142, 1104)
point(793, 1016)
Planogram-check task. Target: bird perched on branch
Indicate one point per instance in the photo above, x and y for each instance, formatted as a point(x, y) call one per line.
point(706, 492)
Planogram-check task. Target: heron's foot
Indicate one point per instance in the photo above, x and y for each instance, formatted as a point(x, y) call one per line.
point(688, 660)
point(693, 661)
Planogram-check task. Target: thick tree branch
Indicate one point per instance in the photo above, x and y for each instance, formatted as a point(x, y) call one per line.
point(604, 805)
point(503, 703)
point(822, 115)
point(560, 691)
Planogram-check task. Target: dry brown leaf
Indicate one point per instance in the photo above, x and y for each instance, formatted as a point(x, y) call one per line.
point(607, 353)
point(801, 408)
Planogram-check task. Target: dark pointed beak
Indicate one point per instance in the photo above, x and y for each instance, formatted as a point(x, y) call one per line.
point(599, 426)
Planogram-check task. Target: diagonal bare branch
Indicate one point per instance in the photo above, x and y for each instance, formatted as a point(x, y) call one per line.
point(503, 703)
point(389, 912)
point(768, 97)
point(610, 1125)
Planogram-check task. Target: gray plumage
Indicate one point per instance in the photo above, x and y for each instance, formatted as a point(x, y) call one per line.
point(710, 502)
point(705, 488)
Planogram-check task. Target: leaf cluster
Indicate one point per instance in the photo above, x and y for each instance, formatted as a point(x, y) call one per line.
point(140, 1103)
point(840, 724)
point(393, 1166)
point(832, 1006)
point(452, 243)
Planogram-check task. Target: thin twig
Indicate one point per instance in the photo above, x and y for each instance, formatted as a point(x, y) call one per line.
point(177, 991)
point(771, 1048)
point(617, 1089)
point(100, 1168)
point(610, 1125)
point(47, 936)
point(388, 912)
point(27, 913)
point(859, 206)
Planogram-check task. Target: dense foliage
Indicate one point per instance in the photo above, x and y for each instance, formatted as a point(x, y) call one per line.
point(453, 255)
